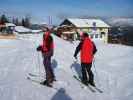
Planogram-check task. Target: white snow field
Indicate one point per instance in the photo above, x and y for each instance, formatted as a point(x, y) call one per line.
point(113, 73)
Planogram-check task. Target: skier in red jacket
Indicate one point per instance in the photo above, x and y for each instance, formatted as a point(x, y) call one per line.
point(47, 49)
point(87, 50)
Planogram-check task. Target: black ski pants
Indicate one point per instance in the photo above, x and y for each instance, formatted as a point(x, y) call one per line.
point(48, 69)
point(86, 71)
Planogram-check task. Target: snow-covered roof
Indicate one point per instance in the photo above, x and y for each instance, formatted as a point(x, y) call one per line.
point(87, 22)
point(10, 24)
point(69, 32)
point(22, 29)
point(36, 31)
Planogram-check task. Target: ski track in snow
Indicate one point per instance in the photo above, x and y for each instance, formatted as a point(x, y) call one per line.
point(113, 73)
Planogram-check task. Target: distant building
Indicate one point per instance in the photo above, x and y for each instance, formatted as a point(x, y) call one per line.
point(2, 28)
point(38, 25)
point(10, 27)
point(7, 28)
point(96, 28)
point(66, 32)
point(22, 30)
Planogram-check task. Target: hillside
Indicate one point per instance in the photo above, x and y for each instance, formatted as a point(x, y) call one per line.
point(120, 21)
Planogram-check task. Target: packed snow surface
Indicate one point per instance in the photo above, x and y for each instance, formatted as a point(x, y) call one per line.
point(113, 71)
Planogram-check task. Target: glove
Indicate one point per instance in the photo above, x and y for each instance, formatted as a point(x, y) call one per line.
point(75, 57)
point(39, 48)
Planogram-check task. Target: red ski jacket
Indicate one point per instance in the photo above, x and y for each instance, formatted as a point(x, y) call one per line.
point(87, 50)
point(86, 54)
point(47, 44)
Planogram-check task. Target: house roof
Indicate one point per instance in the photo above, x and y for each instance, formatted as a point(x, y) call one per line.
point(22, 29)
point(36, 31)
point(88, 22)
point(69, 32)
point(10, 24)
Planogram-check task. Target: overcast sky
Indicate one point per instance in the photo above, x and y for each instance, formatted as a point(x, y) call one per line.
point(41, 9)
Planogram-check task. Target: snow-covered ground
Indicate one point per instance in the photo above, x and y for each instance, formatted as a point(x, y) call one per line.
point(113, 73)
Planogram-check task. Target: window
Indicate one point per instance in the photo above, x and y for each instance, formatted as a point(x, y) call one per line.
point(96, 35)
point(92, 36)
point(101, 35)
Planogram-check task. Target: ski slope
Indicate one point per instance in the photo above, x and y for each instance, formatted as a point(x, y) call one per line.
point(113, 73)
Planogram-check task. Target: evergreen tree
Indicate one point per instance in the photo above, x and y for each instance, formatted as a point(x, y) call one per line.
point(23, 22)
point(27, 22)
point(3, 19)
point(15, 21)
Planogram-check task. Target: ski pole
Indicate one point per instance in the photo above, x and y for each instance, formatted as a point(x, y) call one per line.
point(37, 60)
point(96, 71)
point(39, 64)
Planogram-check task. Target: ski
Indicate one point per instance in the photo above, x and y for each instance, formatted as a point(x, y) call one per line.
point(96, 88)
point(82, 84)
point(34, 79)
point(39, 82)
point(34, 75)
point(92, 88)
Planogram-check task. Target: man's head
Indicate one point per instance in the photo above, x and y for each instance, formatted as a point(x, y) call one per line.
point(46, 34)
point(47, 29)
point(83, 36)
